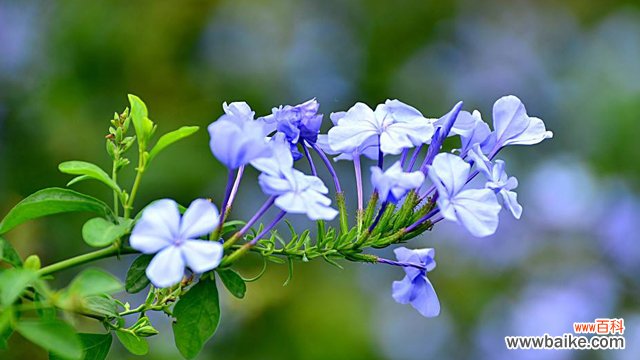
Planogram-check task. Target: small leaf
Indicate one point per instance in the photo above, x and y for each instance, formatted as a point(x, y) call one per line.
point(51, 201)
point(88, 169)
point(94, 282)
point(170, 138)
point(233, 282)
point(99, 232)
point(6, 318)
point(137, 279)
point(14, 282)
point(101, 305)
point(78, 179)
point(95, 346)
point(143, 126)
point(53, 335)
point(8, 254)
point(197, 316)
point(136, 345)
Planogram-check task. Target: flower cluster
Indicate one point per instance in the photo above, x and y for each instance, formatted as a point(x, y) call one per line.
point(423, 184)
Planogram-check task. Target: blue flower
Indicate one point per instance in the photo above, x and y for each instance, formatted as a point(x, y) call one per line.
point(393, 184)
point(297, 123)
point(161, 230)
point(236, 139)
point(475, 209)
point(396, 125)
point(415, 288)
point(472, 130)
point(498, 180)
point(295, 192)
point(369, 148)
point(512, 125)
point(444, 125)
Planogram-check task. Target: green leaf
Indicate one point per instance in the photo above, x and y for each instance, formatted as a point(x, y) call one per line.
point(100, 232)
point(233, 282)
point(94, 282)
point(143, 126)
point(197, 316)
point(8, 254)
point(78, 179)
point(136, 345)
point(101, 305)
point(52, 201)
point(137, 279)
point(53, 335)
point(95, 346)
point(170, 138)
point(13, 282)
point(6, 318)
point(88, 169)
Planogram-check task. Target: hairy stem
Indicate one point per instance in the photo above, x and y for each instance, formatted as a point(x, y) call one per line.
point(85, 258)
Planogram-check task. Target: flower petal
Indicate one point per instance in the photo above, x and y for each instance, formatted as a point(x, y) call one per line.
point(402, 290)
point(201, 218)
point(157, 228)
point(201, 255)
point(166, 268)
point(477, 210)
point(425, 299)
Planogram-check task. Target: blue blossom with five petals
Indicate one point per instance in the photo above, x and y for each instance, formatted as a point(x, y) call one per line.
point(498, 180)
point(395, 125)
point(475, 209)
point(236, 138)
point(174, 238)
point(512, 125)
point(415, 288)
point(295, 192)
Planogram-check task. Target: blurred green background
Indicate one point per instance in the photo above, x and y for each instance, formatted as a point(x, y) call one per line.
point(66, 67)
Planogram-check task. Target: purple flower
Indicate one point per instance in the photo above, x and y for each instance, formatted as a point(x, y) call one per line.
point(475, 209)
point(393, 184)
point(394, 124)
point(415, 288)
point(295, 192)
point(472, 130)
point(299, 122)
point(236, 139)
point(512, 125)
point(162, 230)
point(498, 180)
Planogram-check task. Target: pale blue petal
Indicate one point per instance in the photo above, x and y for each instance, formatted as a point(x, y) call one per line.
point(449, 170)
point(534, 133)
point(402, 290)
point(509, 118)
point(166, 268)
point(482, 163)
point(354, 128)
point(272, 185)
point(425, 299)
point(157, 228)
point(201, 255)
point(510, 202)
point(201, 218)
point(477, 210)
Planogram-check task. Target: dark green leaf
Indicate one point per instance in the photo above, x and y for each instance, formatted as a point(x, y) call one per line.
point(136, 345)
point(197, 315)
point(233, 282)
point(170, 138)
point(88, 169)
point(136, 278)
point(53, 335)
point(13, 282)
point(94, 282)
point(51, 201)
point(99, 232)
point(8, 254)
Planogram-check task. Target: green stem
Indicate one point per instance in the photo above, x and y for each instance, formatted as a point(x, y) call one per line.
point(114, 177)
point(85, 258)
point(136, 185)
point(342, 208)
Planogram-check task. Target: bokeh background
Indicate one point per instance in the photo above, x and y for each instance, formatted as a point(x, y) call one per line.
point(66, 67)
